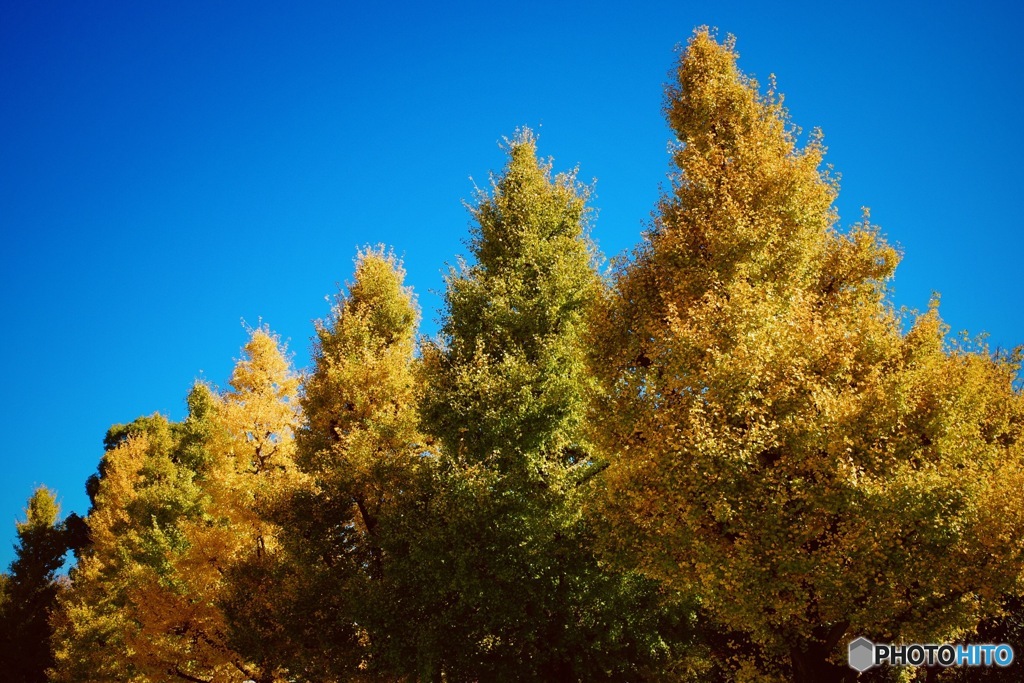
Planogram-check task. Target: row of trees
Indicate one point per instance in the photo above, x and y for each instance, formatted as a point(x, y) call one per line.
point(722, 461)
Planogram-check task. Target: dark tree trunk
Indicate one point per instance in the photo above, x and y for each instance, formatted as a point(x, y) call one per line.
point(811, 665)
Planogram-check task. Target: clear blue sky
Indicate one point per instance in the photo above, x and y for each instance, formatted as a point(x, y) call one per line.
point(169, 169)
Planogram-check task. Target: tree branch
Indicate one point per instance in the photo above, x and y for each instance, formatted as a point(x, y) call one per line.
point(188, 677)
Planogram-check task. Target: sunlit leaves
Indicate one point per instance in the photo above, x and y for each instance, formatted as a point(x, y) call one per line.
point(778, 445)
point(179, 511)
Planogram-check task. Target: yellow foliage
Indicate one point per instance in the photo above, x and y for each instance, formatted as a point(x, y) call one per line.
point(180, 512)
point(777, 444)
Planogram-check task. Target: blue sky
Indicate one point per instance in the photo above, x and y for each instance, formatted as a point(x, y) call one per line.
point(170, 169)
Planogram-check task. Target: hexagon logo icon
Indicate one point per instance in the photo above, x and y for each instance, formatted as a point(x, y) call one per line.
point(861, 654)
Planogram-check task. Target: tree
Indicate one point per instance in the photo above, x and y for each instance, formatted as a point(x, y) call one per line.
point(180, 529)
point(92, 628)
point(28, 592)
point(511, 588)
point(252, 476)
point(778, 445)
point(361, 450)
point(131, 612)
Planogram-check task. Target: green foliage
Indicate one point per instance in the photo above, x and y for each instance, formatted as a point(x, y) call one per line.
point(128, 614)
point(28, 592)
point(361, 449)
point(510, 587)
point(199, 430)
point(508, 380)
point(718, 465)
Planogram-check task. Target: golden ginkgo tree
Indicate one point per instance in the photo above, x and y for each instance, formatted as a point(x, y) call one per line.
point(181, 524)
point(361, 451)
point(778, 444)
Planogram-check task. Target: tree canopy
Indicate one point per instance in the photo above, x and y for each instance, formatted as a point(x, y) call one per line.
point(778, 445)
point(518, 590)
point(720, 460)
point(28, 592)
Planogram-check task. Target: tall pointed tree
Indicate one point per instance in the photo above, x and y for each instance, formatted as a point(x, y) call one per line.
point(253, 475)
point(777, 443)
point(515, 590)
point(30, 590)
point(361, 448)
point(508, 381)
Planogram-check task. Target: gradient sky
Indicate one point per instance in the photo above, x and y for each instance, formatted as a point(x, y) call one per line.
point(168, 170)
